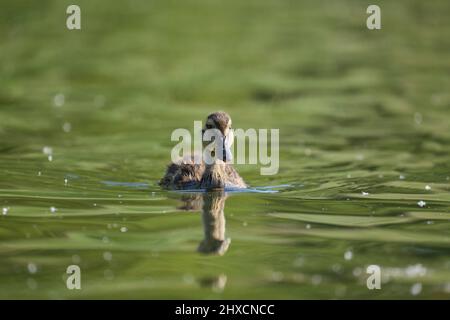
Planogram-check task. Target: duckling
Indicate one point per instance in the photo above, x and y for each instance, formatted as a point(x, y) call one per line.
point(191, 174)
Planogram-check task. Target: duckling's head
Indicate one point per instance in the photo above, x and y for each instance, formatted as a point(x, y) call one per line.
point(221, 121)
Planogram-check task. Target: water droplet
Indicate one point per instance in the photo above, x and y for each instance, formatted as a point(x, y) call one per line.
point(427, 187)
point(416, 270)
point(47, 150)
point(53, 209)
point(66, 181)
point(67, 127)
point(418, 118)
point(123, 229)
point(59, 100)
point(107, 256)
point(5, 211)
point(32, 268)
point(357, 271)
point(348, 255)
point(416, 289)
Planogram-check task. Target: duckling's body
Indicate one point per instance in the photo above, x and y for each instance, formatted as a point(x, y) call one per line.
point(185, 174)
point(189, 173)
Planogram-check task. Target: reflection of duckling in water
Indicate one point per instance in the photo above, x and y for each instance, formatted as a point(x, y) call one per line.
point(214, 224)
point(216, 283)
point(186, 174)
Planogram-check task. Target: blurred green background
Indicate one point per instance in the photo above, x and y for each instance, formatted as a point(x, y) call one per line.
point(358, 111)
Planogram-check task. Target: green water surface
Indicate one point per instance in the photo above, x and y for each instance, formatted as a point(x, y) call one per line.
point(364, 120)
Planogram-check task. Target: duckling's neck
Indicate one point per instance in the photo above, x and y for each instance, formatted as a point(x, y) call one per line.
point(214, 176)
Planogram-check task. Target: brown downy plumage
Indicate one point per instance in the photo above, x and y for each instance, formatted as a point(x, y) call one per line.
point(186, 174)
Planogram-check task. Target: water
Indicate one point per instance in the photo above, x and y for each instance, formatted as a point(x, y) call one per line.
point(85, 124)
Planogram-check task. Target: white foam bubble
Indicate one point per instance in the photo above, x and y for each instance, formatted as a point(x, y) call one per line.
point(416, 289)
point(59, 100)
point(32, 268)
point(421, 203)
point(348, 255)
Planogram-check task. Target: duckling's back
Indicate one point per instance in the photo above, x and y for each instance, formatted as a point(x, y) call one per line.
point(182, 175)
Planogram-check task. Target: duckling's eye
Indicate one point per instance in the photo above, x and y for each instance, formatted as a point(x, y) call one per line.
point(208, 126)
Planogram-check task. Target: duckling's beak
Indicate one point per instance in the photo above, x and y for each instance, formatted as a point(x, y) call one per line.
point(226, 149)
